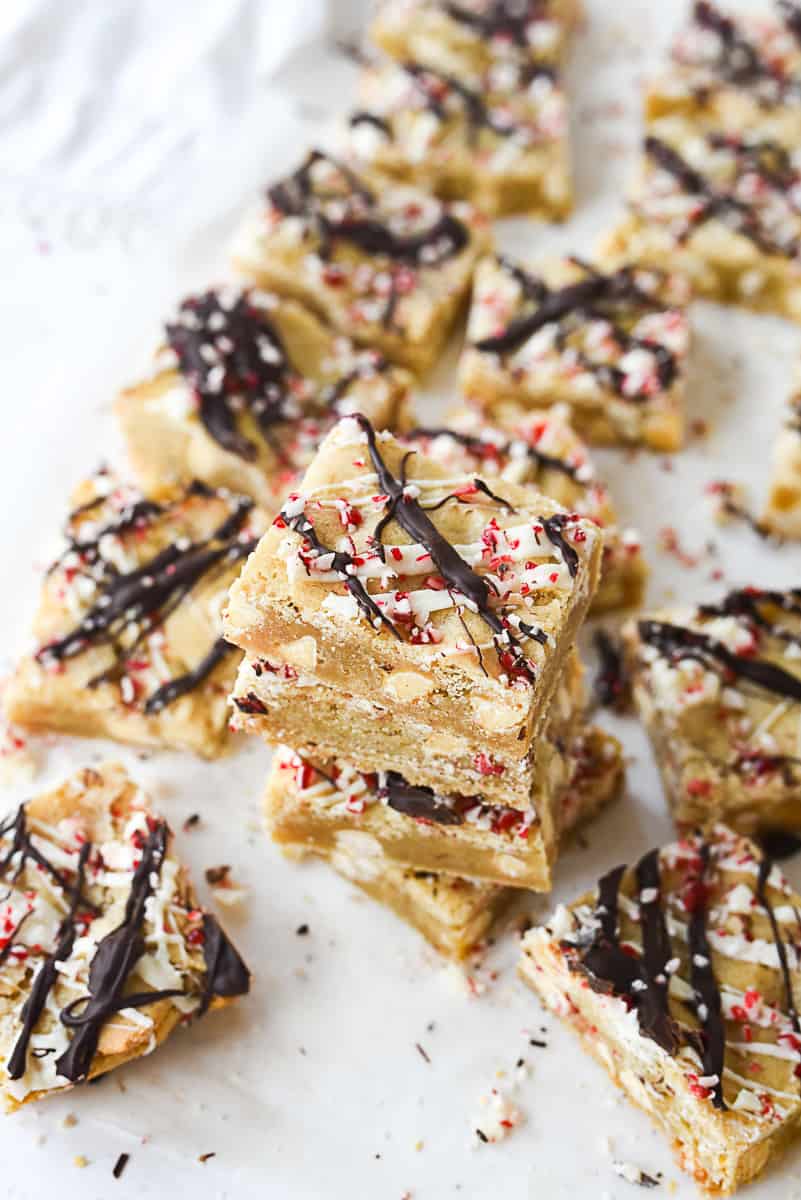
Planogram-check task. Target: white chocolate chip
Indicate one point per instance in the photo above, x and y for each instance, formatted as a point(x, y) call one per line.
point(301, 653)
point(407, 685)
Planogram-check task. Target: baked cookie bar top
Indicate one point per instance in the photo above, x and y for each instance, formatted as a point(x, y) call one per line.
point(128, 630)
point(330, 807)
point(104, 948)
point(782, 514)
point(540, 447)
point(389, 266)
point(244, 390)
point(719, 688)
point(471, 35)
point(741, 70)
point(612, 345)
point(681, 976)
point(430, 595)
point(724, 209)
point(497, 138)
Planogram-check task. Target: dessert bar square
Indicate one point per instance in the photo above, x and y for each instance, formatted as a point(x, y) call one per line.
point(719, 690)
point(379, 820)
point(497, 138)
point(471, 35)
point(722, 208)
point(105, 950)
point(612, 345)
point(389, 266)
point(740, 70)
point(427, 603)
point(680, 974)
point(243, 391)
point(782, 514)
point(541, 448)
point(128, 631)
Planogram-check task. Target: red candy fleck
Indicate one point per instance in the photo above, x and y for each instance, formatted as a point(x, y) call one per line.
point(484, 764)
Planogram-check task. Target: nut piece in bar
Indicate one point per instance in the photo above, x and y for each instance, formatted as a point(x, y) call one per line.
point(243, 391)
point(379, 820)
point(389, 266)
point(611, 344)
point(129, 632)
point(724, 209)
point(431, 611)
point(680, 974)
point(741, 71)
point(539, 447)
point(105, 949)
point(471, 36)
point(782, 514)
point(498, 138)
point(719, 690)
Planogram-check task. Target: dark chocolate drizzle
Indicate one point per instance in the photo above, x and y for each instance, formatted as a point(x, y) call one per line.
point(22, 844)
point(766, 158)
point(611, 684)
point(476, 112)
point(226, 972)
point(361, 224)
point(139, 601)
point(751, 602)
point(597, 297)
point(652, 1003)
point(791, 14)
point(115, 957)
point(765, 868)
point(483, 450)
point(676, 642)
point(363, 117)
point(739, 62)
point(499, 18)
point(46, 976)
point(777, 845)
point(712, 1042)
point(233, 357)
point(418, 802)
point(458, 574)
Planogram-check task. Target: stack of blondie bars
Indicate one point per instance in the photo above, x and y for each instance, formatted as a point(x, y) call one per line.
point(409, 629)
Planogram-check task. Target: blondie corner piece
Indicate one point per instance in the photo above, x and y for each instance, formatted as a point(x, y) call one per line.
point(612, 345)
point(681, 976)
point(719, 690)
point(128, 630)
point(498, 138)
point(471, 35)
point(390, 266)
point(722, 209)
point(740, 70)
point(540, 448)
point(243, 392)
point(407, 598)
point(105, 949)
point(782, 514)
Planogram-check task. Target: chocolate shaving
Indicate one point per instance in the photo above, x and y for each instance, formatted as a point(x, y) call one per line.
point(120, 1165)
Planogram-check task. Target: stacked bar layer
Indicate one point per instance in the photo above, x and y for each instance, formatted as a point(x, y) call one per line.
point(405, 619)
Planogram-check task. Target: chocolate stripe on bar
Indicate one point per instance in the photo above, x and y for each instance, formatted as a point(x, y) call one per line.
point(738, 62)
point(499, 18)
point(363, 117)
point(22, 845)
point(361, 225)
point(137, 602)
point(765, 868)
point(750, 603)
point(226, 972)
point(652, 1003)
point(483, 449)
point(705, 986)
point(340, 562)
point(234, 359)
point(115, 958)
point(791, 15)
point(170, 692)
point(418, 802)
point(458, 574)
point(764, 159)
point(46, 976)
point(677, 642)
point(434, 86)
point(597, 297)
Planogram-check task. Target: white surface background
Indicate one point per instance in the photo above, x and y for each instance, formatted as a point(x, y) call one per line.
point(131, 135)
